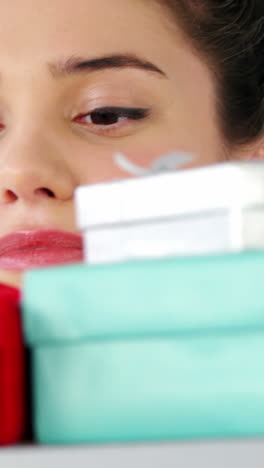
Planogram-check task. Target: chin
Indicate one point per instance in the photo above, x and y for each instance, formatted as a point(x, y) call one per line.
point(11, 278)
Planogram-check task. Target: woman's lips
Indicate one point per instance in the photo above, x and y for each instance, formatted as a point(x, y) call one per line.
point(23, 250)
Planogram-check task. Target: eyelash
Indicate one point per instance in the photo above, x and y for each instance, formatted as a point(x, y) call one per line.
point(109, 115)
point(125, 113)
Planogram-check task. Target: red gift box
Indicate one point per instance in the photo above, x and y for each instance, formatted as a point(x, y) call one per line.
point(12, 391)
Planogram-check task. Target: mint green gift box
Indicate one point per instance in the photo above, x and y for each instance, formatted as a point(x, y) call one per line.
point(147, 350)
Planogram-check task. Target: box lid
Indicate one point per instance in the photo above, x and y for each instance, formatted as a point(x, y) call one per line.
point(10, 320)
point(221, 186)
point(214, 294)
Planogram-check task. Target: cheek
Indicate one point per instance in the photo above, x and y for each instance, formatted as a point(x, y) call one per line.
point(106, 168)
point(197, 134)
point(205, 149)
point(95, 164)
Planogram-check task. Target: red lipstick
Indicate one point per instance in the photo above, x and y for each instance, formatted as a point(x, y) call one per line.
point(23, 250)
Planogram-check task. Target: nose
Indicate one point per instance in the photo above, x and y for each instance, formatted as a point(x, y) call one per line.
point(33, 169)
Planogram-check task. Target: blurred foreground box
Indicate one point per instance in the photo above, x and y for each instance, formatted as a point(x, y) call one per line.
point(12, 368)
point(158, 349)
point(219, 208)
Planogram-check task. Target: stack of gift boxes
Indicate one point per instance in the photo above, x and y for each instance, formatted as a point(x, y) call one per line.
point(159, 336)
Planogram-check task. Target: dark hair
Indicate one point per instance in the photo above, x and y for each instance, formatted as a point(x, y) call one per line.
point(229, 34)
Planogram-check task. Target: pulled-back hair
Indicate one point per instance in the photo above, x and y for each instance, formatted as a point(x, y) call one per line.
point(229, 34)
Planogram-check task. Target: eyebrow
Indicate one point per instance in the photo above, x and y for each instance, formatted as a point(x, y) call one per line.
point(76, 65)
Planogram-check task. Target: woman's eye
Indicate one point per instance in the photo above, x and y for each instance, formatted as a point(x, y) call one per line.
point(112, 116)
point(105, 117)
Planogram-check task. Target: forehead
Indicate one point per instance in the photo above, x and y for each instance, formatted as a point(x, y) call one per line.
point(37, 27)
point(36, 33)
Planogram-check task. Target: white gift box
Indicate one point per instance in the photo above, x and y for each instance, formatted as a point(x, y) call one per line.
point(211, 209)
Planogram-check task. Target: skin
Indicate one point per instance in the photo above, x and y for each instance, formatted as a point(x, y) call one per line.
point(46, 150)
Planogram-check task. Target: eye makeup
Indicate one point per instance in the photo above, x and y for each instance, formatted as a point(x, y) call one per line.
point(109, 115)
point(113, 108)
point(112, 121)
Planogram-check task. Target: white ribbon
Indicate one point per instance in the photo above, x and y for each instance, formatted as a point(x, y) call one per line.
point(167, 163)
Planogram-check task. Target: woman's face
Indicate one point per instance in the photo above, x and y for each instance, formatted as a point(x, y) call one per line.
point(79, 81)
